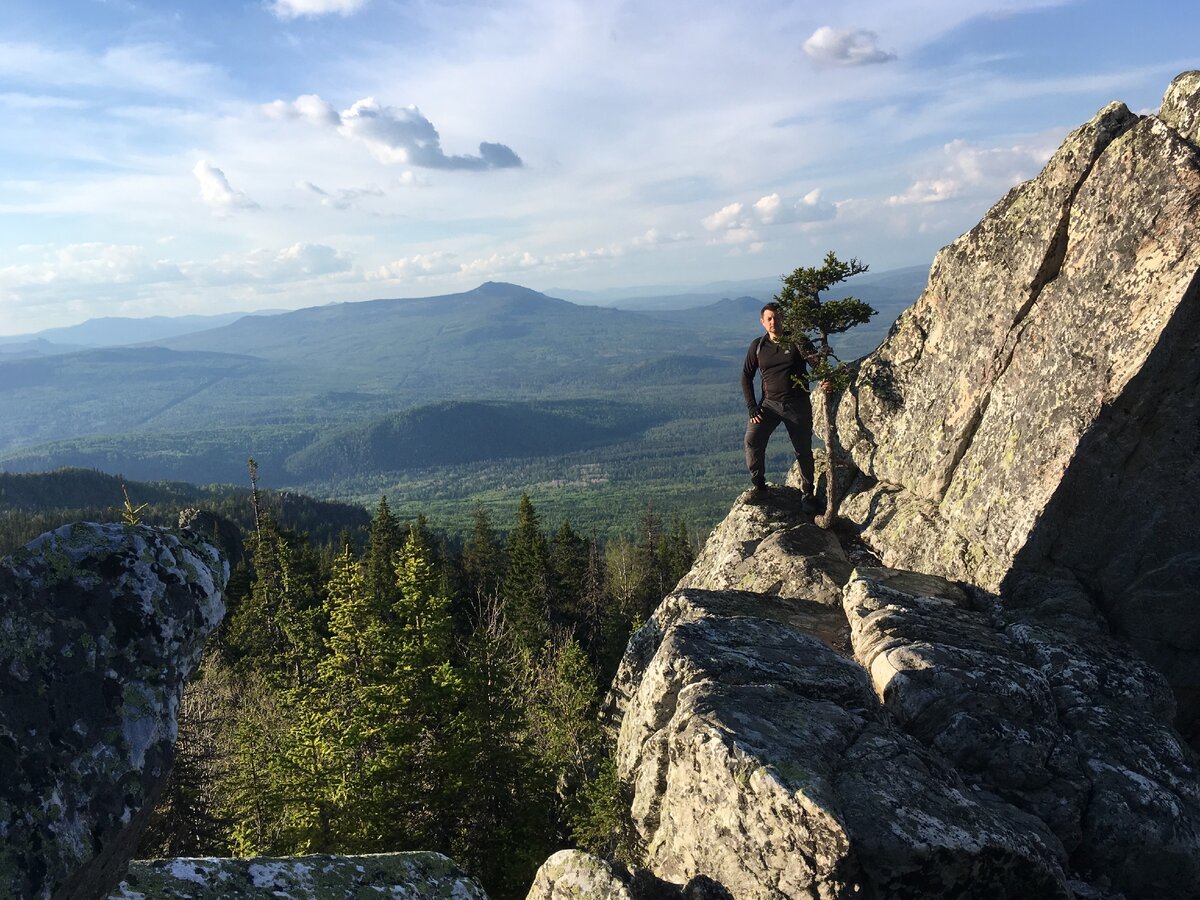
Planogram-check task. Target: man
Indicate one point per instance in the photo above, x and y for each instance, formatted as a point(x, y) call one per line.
point(783, 400)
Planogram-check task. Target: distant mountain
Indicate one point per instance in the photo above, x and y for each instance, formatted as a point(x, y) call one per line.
point(297, 389)
point(30, 349)
point(116, 331)
point(908, 281)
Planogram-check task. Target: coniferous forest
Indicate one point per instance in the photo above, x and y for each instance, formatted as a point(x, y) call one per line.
point(408, 691)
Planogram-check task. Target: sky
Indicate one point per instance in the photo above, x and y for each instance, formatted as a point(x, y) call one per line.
point(170, 158)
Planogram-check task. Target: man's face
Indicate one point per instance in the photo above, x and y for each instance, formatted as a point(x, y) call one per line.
point(773, 322)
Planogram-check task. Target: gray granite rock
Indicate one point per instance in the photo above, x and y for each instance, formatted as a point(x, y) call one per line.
point(770, 546)
point(99, 627)
point(761, 758)
point(1037, 407)
point(575, 875)
point(1036, 704)
point(419, 876)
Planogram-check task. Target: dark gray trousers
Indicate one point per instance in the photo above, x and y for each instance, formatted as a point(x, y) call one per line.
point(797, 418)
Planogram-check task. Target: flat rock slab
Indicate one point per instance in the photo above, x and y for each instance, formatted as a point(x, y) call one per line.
point(1045, 711)
point(419, 876)
point(769, 546)
point(100, 625)
point(761, 758)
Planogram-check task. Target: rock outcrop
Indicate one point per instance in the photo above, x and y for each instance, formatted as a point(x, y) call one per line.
point(99, 627)
point(429, 876)
point(761, 758)
point(1047, 712)
point(771, 547)
point(1039, 406)
point(1027, 453)
point(574, 875)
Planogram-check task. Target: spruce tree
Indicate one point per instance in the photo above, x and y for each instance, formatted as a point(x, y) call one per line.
point(568, 554)
point(383, 541)
point(805, 312)
point(483, 558)
point(501, 791)
point(427, 690)
point(526, 586)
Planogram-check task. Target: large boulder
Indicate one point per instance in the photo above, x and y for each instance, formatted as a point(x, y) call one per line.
point(100, 625)
point(1047, 712)
point(760, 757)
point(1039, 405)
point(575, 875)
point(769, 546)
point(429, 876)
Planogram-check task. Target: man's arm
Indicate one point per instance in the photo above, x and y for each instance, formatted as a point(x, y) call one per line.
point(749, 367)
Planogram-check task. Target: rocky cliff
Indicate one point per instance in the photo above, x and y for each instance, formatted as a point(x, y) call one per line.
point(100, 625)
point(970, 690)
point(1038, 408)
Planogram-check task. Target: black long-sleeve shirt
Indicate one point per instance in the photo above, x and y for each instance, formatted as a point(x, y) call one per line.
point(778, 363)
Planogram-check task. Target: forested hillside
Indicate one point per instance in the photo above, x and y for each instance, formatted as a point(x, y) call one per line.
point(31, 504)
point(415, 694)
point(435, 402)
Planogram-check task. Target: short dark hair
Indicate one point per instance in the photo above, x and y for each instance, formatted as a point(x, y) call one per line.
point(771, 306)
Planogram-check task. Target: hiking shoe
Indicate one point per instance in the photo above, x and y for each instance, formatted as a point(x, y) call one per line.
point(809, 505)
point(757, 493)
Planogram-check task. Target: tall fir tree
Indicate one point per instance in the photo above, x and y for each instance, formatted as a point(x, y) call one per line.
point(526, 588)
point(483, 558)
point(567, 559)
point(502, 791)
point(428, 687)
point(384, 539)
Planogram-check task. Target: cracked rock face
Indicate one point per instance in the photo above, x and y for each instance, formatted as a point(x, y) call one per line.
point(1046, 711)
point(1039, 405)
point(761, 758)
point(316, 877)
point(100, 625)
point(770, 547)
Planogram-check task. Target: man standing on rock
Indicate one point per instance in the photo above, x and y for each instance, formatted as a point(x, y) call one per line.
point(784, 399)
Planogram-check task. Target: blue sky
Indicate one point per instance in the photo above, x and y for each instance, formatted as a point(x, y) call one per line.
point(162, 158)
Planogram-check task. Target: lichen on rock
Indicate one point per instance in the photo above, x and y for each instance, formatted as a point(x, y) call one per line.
point(430, 876)
point(100, 625)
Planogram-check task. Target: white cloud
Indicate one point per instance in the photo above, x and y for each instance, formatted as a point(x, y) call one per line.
point(394, 135)
point(738, 224)
point(299, 262)
point(215, 190)
point(774, 210)
point(422, 265)
point(857, 47)
point(341, 198)
point(86, 265)
point(294, 9)
point(653, 238)
point(726, 217)
point(969, 169)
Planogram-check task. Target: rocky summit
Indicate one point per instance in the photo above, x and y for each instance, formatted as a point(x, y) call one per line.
point(99, 627)
point(1038, 407)
point(972, 686)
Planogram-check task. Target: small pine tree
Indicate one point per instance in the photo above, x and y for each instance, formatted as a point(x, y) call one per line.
point(806, 313)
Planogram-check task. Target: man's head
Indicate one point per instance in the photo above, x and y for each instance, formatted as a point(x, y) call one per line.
point(771, 317)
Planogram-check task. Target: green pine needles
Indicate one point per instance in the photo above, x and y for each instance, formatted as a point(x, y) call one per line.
point(807, 313)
